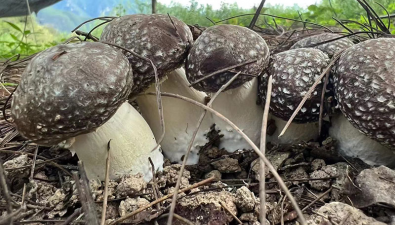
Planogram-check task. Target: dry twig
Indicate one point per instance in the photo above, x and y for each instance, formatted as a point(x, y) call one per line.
point(88, 205)
point(104, 210)
point(154, 184)
point(230, 212)
point(34, 164)
point(317, 199)
point(262, 183)
point(6, 193)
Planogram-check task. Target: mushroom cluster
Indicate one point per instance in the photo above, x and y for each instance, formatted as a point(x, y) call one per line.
point(75, 95)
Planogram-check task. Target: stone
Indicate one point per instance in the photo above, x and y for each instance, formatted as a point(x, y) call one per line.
point(227, 165)
point(340, 213)
point(245, 199)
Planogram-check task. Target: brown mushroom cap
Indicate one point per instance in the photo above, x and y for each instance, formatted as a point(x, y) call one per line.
point(329, 48)
point(163, 39)
point(69, 90)
point(222, 46)
point(294, 72)
point(364, 85)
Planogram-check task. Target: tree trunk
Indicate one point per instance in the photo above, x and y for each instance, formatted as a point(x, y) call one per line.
point(153, 6)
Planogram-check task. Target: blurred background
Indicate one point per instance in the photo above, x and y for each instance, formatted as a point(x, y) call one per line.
point(53, 24)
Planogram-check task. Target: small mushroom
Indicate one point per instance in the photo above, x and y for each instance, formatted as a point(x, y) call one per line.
point(163, 39)
point(73, 94)
point(166, 41)
point(330, 48)
point(294, 72)
point(363, 82)
point(219, 47)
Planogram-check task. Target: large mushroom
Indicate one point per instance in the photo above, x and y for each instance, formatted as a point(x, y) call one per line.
point(363, 81)
point(330, 48)
point(220, 47)
point(75, 95)
point(166, 41)
point(294, 72)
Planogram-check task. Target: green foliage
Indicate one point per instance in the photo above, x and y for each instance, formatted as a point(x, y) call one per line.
point(20, 36)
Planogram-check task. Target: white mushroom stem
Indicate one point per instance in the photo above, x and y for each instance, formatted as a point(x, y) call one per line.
point(296, 133)
point(353, 143)
point(180, 117)
point(239, 106)
point(131, 143)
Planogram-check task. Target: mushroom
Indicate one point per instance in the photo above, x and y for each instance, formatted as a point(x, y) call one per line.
point(71, 94)
point(294, 72)
point(363, 82)
point(166, 41)
point(220, 47)
point(163, 39)
point(328, 48)
point(180, 118)
point(353, 143)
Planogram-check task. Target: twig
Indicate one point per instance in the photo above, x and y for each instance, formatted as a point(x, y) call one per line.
point(2, 85)
point(34, 164)
point(258, 11)
point(317, 199)
point(88, 205)
point(104, 210)
point(75, 214)
point(262, 183)
point(209, 104)
point(7, 219)
point(23, 195)
point(154, 184)
point(86, 35)
point(161, 200)
point(230, 212)
point(282, 210)
point(107, 18)
point(89, 35)
point(222, 70)
point(254, 147)
point(280, 17)
point(322, 104)
point(6, 193)
point(327, 70)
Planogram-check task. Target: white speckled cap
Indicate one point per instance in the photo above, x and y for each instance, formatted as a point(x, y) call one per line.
point(294, 72)
point(329, 48)
point(221, 46)
point(364, 85)
point(163, 39)
point(69, 90)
